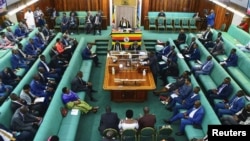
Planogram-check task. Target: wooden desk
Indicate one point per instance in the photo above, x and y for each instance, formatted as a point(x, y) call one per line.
point(125, 37)
point(127, 85)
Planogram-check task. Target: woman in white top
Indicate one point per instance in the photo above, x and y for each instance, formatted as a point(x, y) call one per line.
point(128, 122)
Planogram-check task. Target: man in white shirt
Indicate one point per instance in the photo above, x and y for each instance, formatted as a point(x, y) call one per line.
point(30, 20)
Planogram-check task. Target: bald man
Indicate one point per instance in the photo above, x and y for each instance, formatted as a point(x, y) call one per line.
point(147, 120)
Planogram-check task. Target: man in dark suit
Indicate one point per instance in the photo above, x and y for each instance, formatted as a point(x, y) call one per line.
point(89, 25)
point(97, 23)
point(147, 120)
point(87, 54)
point(117, 46)
point(108, 120)
point(124, 23)
point(78, 84)
point(193, 116)
point(232, 59)
point(64, 23)
point(181, 38)
point(234, 105)
point(189, 49)
point(22, 120)
point(206, 36)
point(195, 55)
point(164, 51)
point(223, 91)
point(134, 46)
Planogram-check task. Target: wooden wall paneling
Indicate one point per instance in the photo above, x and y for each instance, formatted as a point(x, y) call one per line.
point(144, 12)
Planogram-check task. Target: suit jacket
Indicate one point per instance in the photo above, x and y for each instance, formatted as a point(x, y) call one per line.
point(207, 66)
point(226, 91)
point(195, 55)
point(11, 36)
point(198, 116)
point(99, 20)
point(122, 26)
point(208, 37)
point(134, 48)
point(77, 85)
point(165, 50)
point(147, 120)
point(121, 47)
point(218, 47)
point(232, 60)
point(19, 33)
point(86, 53)
point(189, 101)
point(210, 19)
point(30, 49)
point(22, 123)
point(109, 120)
point(236, 105)
point(65, 42)
point(37, 88)
point(89, 19)
point(184, 91)
point(42, 64)
point(182, 37)
point(16, 61)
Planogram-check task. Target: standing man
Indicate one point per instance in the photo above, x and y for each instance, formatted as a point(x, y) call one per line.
point(97, 22)
point(147, 120)
point(78, 84)
point(30, 20)
point(88, 20)
point(87, 54)
point(210, 18)
point(108, 120)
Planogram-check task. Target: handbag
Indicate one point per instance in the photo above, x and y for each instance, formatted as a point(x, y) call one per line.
point(64, 111)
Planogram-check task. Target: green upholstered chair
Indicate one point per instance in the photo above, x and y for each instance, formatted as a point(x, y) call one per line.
point(147, 134)
point(184, 24)
point(152, 24)
point(169, 24)
point(164, 132)
point(177, 24)
point(192, 25)
point(161, 24)
point(129, 134)
point(81, 24)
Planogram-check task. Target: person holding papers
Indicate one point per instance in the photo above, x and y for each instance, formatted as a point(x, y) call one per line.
point(203, 68)
point(206, 36)
point(164, 51)
point(63, 50)
point(195, 55)
point(87, 54)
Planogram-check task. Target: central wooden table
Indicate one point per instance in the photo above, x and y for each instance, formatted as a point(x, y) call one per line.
point(127, 84)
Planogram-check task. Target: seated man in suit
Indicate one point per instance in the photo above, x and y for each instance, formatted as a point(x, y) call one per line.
point(87, 54)
point(181, 38)
point(22, 120)
point(193, 116)
point(195, 55)
point(5, 90)
point(189, 49)
point(204, 68)
point(217, 48)
point(146, 120)
point(108, 120)
point(232, 59)
point(18, 62)
point(78, 84)
point(117, 46)
point(223, 91)
point(19, 32)
point(240, 118)
point(161, 14)
point(134, 46)
point(124, 23)
point(49, 71)
point(231, 107)
point(31, 49)
point(164, 51)
point(206, 36)
point(186, 103)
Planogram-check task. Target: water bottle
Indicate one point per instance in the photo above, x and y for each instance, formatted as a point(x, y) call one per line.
point(113, 70)
point(144, 72)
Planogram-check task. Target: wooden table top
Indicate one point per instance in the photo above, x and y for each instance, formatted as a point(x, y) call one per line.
point(126, 79)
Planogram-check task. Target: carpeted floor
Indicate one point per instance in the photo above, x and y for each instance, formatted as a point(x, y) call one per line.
point(88, 126)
